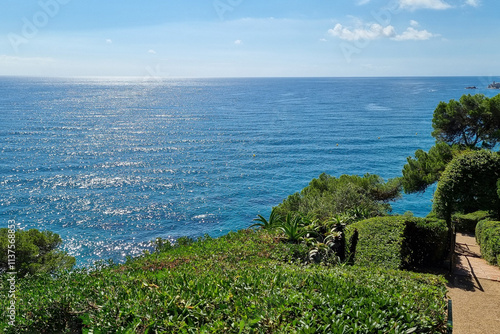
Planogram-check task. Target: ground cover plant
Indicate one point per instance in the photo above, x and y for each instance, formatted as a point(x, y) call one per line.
point(244, 282)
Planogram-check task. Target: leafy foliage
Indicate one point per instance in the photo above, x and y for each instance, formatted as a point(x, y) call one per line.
point(35, 252)
point(426, 168)
point(472, 121)
point(274, 220)
point(488, 237)
point(239, 283)
point(327, 195)
point(466, 223)
point(293, 228)
point(468, 184)
point(399, 242)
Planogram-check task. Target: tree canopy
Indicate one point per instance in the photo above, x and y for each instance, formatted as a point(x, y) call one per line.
point(35, 252)
point(472, 121)
point(426, 168)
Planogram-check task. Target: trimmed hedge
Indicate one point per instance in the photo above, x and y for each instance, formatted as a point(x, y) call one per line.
point(488, 237)
point(398, 242)
point(466, 223)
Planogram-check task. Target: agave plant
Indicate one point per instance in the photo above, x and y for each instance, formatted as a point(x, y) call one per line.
point(274, 220)
point(293, 228)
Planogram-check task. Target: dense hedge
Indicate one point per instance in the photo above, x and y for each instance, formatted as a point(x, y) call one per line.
point(468, 184)
point(399, 242)
point(488, 237)
point(466, 223)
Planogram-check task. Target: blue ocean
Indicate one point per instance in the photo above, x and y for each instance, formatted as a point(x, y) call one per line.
point(110, 164)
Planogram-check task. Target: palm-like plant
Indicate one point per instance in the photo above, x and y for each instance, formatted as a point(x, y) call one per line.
point(293, 228)
point(274, 220)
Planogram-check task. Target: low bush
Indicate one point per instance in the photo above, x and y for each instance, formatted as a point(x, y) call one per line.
point(488, 237)
point(244, 282)
point(398, 242)
point(368, 195)
point(466, 223)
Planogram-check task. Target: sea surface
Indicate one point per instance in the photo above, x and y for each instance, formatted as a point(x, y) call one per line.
point(110, 164)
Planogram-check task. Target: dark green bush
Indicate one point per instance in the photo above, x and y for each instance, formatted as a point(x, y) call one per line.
point(466, 223)
point(468, 184)
point(35, 252)
point(488, 237)
point(399, 242)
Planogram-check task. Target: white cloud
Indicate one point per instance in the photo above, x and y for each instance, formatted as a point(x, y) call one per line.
point(370, 32)
point(376, 31)
point(322, 40)
point(473, 3)
point(412, 34)
point(238, 42)
point(108, 41)
point(426, 4)
point(363, 2)
point(151, 51)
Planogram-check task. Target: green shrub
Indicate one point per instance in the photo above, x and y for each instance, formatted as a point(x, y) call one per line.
point(488, 237)
point(468, 184)
point(328, 195)
point(399, 242)
point(466, 223)
point(35, 252)
point(425, 242)
point(238, 283)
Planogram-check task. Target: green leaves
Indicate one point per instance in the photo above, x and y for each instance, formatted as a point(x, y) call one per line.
point(328, 195)
point(426, 168)
point(399, 242)
point(35, 252)
point(488, 237)
point(236, 283)
point(468, 184)
point(274, 220)
point(472, 121)
point(293, 229)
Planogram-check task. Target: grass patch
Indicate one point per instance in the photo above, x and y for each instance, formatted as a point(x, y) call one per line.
point(244, 282)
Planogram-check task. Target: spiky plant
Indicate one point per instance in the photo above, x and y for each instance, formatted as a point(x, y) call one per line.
point(274, 220)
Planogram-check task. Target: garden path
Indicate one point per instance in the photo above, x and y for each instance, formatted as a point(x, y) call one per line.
point(474, 288)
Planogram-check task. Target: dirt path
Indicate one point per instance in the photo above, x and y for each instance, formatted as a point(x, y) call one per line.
point(474, 288)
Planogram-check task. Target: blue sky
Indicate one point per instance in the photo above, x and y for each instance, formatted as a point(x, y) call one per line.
point(248, 38)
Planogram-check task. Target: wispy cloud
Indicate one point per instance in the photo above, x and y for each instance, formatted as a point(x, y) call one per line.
point(25, 60)
point(424, 4)
point(238, 42)
point(109, 41)
point(473, 3)
point(412, 34)
point(372, 31)
point(151, 51)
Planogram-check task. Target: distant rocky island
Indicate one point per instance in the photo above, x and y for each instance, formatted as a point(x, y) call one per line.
point(494, 85)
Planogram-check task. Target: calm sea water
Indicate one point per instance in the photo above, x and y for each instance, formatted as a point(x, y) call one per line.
point(111, 164)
